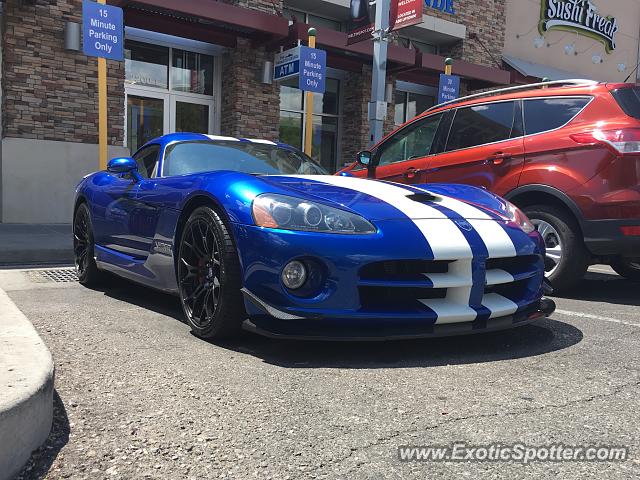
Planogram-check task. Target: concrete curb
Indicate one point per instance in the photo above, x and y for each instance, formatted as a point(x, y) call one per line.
point(26, 389)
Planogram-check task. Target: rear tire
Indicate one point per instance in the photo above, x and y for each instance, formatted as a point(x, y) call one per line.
point(567, 257)
point(84, 248)
point(629, 268)
point(209, 281)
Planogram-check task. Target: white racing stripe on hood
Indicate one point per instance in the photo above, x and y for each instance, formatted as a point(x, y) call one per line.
point(496, 239)
point(445, 239)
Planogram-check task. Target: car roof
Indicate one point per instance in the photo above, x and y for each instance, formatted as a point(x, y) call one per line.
point(547, 89)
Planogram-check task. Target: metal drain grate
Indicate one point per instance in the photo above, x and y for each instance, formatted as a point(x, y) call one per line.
point(60, 275)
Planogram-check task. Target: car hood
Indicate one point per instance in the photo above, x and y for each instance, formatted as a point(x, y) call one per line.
point(381, 200)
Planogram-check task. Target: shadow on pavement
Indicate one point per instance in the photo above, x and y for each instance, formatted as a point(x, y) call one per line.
point(126, 291)
point(543, 337)
point(539, 338)
point(606, 288)
point(42, 459)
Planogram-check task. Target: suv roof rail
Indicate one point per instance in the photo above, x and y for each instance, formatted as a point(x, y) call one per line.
point(530, 86)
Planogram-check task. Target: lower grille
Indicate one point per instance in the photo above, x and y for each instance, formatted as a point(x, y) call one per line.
point(383, 298)
point(447, 287)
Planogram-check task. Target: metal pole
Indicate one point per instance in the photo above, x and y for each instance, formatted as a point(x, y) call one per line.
point(377, 106)
point(448, 66)
point(308, 126)
point(102, 108)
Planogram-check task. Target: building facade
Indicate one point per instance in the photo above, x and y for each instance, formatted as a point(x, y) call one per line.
point(560, 39)
point(205, 67)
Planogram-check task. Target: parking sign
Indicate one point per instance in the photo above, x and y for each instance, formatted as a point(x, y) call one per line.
point(102, 31)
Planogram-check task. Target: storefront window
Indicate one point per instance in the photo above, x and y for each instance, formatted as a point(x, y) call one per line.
point(326, 120)
point(168, 89)
point(418, 45)
point(325, 141)
point(192, 72)
point(313, 20)
point(408, 105)
point(146, 65)
point(291, 128)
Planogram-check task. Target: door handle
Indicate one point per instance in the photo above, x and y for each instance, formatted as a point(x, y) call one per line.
point(411, 172)
point(499, 158)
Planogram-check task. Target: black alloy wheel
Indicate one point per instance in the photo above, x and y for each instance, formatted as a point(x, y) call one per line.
point(83, 247)
point(208, 274)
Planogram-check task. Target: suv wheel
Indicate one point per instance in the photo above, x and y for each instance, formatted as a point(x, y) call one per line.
point(567, 258)
point(629, 268)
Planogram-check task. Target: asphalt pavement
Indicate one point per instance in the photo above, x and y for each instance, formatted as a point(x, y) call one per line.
point(137, 396)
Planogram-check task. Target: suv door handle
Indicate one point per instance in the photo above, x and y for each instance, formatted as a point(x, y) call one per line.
point(411, 172)
point(499, 158)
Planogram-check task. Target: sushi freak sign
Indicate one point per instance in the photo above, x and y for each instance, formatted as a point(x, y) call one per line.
point(580, 16)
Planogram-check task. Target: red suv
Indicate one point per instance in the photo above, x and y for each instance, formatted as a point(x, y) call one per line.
point(567, 153)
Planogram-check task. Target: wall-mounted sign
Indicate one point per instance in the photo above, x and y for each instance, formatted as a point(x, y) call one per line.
point(287, 64)
point(102, 31)
point(578, 16)
point(362, 16)
point(309, 65)
point(445, 6)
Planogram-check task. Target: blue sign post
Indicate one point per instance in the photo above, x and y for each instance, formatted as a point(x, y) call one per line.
point(449, 88)
point(102, 31)
point(313, 70)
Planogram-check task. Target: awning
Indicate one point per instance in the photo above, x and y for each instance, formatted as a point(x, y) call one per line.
point(536, 70)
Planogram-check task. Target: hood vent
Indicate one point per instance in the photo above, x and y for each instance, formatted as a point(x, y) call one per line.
point(422, 197)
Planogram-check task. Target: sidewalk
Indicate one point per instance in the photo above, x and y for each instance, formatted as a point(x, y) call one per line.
point(22, 244)
point(26, 389)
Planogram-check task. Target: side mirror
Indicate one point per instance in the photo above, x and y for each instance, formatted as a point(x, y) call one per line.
point(122, 165)
point(364, 158)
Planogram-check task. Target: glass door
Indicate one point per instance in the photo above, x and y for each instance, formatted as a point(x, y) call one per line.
point(191, 114)
point(147, 117)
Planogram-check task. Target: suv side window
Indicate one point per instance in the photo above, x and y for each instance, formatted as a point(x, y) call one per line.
point(481, 124)
point(147, 159)
point(413, 141)
point(544, 114)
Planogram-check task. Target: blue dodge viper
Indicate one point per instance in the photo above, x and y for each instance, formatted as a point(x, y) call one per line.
point(253, 234)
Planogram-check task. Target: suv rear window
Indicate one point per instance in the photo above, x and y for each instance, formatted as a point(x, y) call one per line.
point(545, 114)
point(482, 124)
point(629, 100)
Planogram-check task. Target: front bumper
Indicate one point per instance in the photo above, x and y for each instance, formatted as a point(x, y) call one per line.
point(605, 237)
point(375, 330)
point(368, 283)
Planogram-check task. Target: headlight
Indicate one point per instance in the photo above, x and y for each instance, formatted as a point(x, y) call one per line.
point(516, 215)
point(290, 213)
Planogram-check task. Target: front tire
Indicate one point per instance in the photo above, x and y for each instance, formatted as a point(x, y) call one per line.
point(629, 268)
point(208, 272)
point(84, 248)
point(567, 257)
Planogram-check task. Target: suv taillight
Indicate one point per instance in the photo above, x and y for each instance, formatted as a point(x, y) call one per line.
point(623, 141)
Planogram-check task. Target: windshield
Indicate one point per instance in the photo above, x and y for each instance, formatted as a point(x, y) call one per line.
point(248, 157)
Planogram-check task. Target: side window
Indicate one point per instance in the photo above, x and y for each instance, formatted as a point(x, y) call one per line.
point(542, 115)
point(147, 159)
point(481, 124)
point(413, 141)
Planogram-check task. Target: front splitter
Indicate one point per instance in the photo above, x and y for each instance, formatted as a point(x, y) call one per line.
point(317, 329)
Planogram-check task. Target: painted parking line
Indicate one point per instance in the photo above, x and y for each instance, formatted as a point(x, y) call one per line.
point(595, 317)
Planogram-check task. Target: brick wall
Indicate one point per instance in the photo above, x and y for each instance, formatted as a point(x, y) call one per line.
point(249, 108)
point(486, 19)
point(48, 92)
